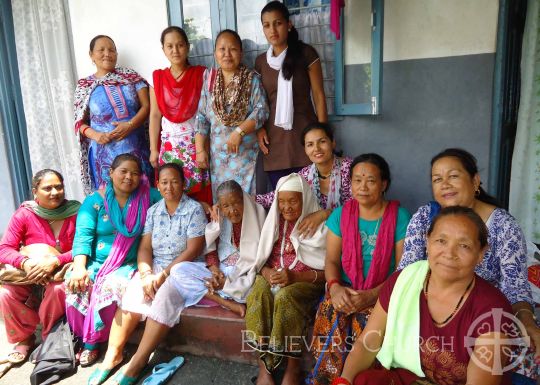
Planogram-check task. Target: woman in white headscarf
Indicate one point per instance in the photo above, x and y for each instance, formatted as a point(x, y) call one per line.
point(289, 281)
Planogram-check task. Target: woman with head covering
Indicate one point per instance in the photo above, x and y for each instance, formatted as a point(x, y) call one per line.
point(111, 107)
point(232, 106)
point(455, 181)
point(288, 283)
point(364, 245)
point(47, 222)
point(436, 321)
point(328, 175)
point(108, 231)
point(235, 238)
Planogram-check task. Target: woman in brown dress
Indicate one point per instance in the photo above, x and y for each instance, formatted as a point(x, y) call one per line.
point(292, 76)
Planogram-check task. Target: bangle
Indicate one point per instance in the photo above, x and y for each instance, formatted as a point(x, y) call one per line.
point(83, 132)
point(130, 124)
point(145, 273)
point(330, 283)
point(316, 276)
point(25, 259)
point(240, 131)
point(341, 381)
point(525, 310)
point(165, 273)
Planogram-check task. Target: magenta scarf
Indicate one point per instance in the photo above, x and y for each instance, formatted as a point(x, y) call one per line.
point(134, 224)
point(351, 259)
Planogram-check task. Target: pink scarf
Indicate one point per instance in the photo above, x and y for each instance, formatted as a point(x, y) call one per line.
point(352, 260)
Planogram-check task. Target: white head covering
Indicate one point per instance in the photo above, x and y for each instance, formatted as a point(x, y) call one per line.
point(309, 251)
point(294, 183)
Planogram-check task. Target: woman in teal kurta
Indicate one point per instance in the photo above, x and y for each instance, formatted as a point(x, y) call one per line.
point(105, 252)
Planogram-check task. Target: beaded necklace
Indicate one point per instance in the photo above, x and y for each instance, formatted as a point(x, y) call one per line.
point(457, 306)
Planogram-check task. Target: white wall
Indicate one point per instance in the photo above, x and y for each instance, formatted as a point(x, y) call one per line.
point(134, 25)
point(417, 29)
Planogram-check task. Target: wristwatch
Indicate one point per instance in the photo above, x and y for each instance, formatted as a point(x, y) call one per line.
point(240, 131)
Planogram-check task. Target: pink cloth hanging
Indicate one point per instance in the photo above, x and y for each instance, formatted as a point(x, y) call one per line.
point(335, 13)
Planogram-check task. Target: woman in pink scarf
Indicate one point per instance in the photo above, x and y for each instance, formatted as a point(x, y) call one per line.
point(364, 245)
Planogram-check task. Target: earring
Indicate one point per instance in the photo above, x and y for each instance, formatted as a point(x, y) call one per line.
point(477, 192)
point(289, 30)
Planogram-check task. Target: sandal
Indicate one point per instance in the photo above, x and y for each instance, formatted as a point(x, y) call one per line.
point(162, 372)
point(122, 379)
point(22, 351)
point(88, 357)
point(99, 376)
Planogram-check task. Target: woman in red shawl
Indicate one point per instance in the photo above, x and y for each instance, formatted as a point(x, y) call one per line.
point(173, 105)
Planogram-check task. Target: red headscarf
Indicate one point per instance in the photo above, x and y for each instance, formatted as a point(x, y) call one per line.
point(178, 100)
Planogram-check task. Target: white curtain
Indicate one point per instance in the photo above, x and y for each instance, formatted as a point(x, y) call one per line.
point(46, 71)
point(525, 177)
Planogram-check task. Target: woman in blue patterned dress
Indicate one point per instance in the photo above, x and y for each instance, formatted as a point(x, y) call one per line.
point(111, 107)
point(231, 108)
point(455, 182)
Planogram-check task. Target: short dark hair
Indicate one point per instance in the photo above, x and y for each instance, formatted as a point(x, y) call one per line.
point(464, 212)
point(126, 157)
point(376, 160)
point(172, 166)
point(38, 176)
point(469, 163)
point(230, 31)
point(96, 38)
point(173, 28)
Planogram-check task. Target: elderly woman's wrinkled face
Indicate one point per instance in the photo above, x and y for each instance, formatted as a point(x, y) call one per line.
point(50, 192)
point(171, 185)
point(228, 52)
point(231, 206)
point(452, 185)
point(104, 54)
point(126, 177)
point(290, 205)
point(453, 248)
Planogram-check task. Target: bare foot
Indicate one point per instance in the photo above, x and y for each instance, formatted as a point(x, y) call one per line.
point(112, 358)
point(264, 378)
point(293, 374)
point(237, 308)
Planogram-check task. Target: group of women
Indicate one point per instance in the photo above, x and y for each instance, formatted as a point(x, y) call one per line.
point(130, 253)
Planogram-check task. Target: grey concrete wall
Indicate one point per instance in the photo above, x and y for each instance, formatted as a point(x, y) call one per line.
point(427, 105)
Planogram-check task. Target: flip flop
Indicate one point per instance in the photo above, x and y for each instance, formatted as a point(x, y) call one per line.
point(122, 379)
point(23, 350)
point(99, 376)
point(162, 372)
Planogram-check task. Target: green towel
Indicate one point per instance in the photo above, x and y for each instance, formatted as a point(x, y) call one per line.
point(400, 348)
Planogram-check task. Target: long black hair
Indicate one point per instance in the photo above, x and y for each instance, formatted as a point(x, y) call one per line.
point(469, 163)
point(294, 50)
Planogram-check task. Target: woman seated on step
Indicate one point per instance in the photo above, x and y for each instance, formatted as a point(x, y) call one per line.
point(436, 321)
point(238, 233)
point(289, 282)
point(173, 232)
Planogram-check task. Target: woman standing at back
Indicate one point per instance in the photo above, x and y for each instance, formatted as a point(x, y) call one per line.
point(173, 107)
point(292, 77)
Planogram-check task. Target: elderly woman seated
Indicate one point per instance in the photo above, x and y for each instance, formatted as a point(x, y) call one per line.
point(436, 320)
point(289, 282)
point(238, 231)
